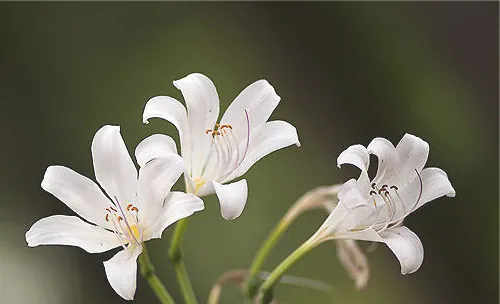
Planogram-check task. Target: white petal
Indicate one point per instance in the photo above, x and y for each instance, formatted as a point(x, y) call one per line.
point(402, 241)
point(406, 246)
point(356, 155)
point(271, 137)
point(156, 145)
point(173, 111)
point(178, 205)
point(79, 193)
point(121, 271)
point(156, 179)
point(232, 198)
point(113, 167)
point(357, 209)
point(167, 108)
point(412, 153)
point(334, 223)
point(435, 184)
point(387, 158)
point(202, 104)
point(71, 231)
point(350, 196)
point(259, 100)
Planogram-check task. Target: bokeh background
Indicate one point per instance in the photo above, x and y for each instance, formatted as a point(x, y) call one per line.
point(346, 72)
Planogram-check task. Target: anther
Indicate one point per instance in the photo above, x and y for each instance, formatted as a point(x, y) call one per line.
point(208, 131)
point(113, 209)
point(128, 207)
point(135, 209)
point(107, 217)
point(107, 209)
point(394, 187)
point(373, 192)
point(384, 186)
point(120, 218)
point(374, 185)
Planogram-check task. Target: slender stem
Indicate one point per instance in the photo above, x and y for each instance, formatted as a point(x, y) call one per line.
point(236, 276)
point(148, 272)
point(175, 251)
point(185, 283)
point(175, 255)
point(265, 290)
point(252, 284)
point(320, 197)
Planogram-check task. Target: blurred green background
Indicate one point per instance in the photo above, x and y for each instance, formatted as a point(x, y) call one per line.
point(346, 72)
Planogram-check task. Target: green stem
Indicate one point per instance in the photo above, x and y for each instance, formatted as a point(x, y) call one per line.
point(320, 197)
point(175, 255)
point(185, 283)
point(148, 272)
point(278, 272)
point(252, 282)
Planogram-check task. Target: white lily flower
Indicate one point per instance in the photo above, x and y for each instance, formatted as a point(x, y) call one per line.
point(137, 208)
point(375, 210)
point(216, 154)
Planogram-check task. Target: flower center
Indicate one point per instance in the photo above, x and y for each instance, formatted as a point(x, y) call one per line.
point(392, 199)
point(227, 152)
point(199, 182)
point(134, 232)
point(125, 223)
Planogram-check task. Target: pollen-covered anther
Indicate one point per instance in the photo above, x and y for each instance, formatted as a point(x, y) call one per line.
point(135, 209)
point(218, 130)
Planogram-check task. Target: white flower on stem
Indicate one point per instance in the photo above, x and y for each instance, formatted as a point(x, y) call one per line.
point(375, 210)
point(135, 207)
point(217, 153)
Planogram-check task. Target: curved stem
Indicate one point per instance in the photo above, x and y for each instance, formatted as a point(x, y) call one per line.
point(148, 272)
point(175, 255)
point(320, 197)
point(252, 283)
point(265, 291)
point(236, 276)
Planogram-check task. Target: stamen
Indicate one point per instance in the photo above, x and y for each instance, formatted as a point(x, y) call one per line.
point(225, 154)
point(126, 222)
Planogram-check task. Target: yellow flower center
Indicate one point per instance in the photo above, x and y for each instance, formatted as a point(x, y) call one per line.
point(134, 232)
point(198, 182)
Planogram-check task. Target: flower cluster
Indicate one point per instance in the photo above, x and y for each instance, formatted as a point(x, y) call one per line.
point(135, 206)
